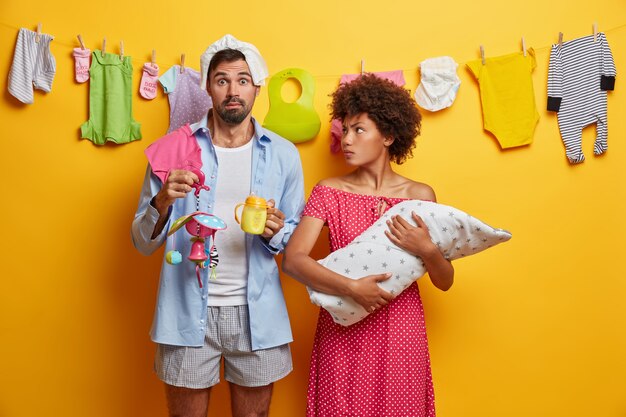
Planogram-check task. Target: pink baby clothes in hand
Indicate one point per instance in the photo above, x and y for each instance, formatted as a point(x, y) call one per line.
point(148, 85)
point(81, 64)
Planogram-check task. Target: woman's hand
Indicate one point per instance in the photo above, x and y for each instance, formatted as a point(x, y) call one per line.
point(417, 240)
point(413, 239)
point(368, 293)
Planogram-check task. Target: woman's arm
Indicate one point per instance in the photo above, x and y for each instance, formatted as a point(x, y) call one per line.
point(417, 241)
point(298, 264)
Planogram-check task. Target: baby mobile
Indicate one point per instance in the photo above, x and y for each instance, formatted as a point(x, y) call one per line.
point(202, 227)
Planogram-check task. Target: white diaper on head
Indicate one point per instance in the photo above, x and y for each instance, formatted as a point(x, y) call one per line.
point(439, 83)
point(256, 63)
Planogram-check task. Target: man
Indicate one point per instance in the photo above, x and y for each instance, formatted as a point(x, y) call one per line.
point(240, 315)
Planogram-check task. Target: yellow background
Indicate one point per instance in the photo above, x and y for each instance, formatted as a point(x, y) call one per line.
point(533, 327)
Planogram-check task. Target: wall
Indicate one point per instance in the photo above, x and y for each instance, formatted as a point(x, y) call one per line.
point(533, 327)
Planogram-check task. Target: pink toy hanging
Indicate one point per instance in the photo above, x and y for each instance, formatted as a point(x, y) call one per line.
point(200, 226)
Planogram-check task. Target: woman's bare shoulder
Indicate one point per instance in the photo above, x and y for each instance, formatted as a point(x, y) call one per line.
point(332, 182)
point(420, 191)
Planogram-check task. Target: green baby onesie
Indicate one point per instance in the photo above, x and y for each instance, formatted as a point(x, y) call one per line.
point(110, 101)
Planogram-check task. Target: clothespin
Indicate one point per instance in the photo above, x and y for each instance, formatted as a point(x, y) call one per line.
point(182, 63)
point(104, 46)
point(122, 51)
point(362, 66)
point(482, 54)
point(80, 40)
point(38, 33)
point(524, 45)
point(560, 39)
point(595, 31)
point(154, 58)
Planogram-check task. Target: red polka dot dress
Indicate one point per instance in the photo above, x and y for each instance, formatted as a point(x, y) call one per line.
point(379, 366)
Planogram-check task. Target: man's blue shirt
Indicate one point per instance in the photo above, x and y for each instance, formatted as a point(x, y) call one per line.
point(181, 309)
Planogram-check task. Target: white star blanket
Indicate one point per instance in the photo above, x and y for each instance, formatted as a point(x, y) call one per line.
point(456, 233)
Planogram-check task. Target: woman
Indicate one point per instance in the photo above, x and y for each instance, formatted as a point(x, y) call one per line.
point(379, 366)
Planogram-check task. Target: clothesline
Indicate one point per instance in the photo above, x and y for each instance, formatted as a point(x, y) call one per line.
point(75, 44)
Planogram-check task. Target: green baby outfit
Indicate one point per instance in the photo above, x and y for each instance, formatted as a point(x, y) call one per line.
point(110, 101)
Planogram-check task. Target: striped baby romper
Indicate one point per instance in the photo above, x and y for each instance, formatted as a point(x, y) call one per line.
point(580, 73)
point(33, 65)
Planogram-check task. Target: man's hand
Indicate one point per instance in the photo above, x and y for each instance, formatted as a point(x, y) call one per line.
point(178, 183)
point(275, 220)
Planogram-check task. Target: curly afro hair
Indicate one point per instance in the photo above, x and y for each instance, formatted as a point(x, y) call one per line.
point(388, 105)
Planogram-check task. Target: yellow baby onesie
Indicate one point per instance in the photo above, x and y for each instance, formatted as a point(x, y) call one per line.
point(507, 97)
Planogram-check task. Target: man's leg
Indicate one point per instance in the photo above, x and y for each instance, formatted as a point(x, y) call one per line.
point(250, 374)
point(187, 402)
point(250, 401)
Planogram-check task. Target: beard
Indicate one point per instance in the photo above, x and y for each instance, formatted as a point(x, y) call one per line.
point(233, 116)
